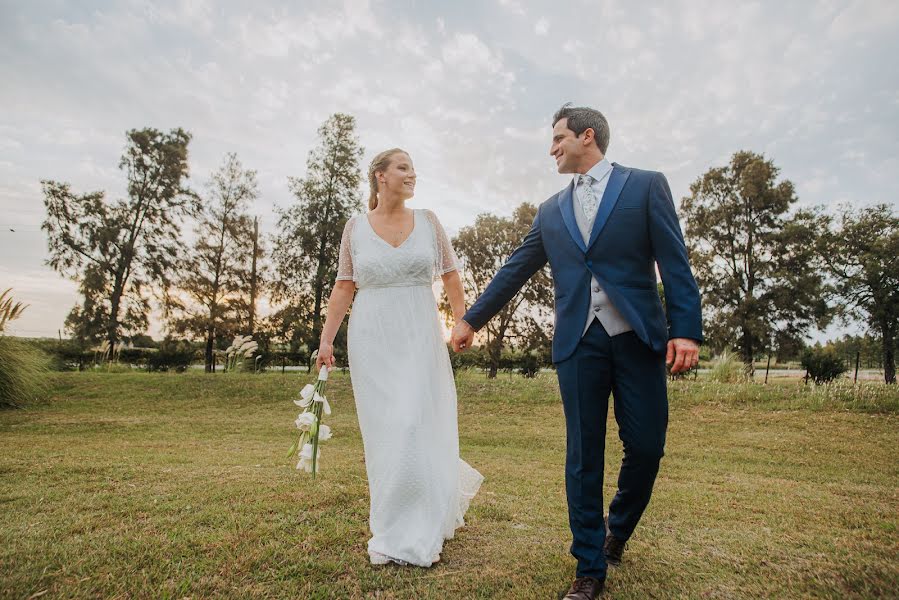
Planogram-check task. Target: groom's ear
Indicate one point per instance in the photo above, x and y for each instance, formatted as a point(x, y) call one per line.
point(589, 136)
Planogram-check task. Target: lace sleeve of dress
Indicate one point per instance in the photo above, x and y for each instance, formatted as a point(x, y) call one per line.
point(345, 261)
point(446, 257)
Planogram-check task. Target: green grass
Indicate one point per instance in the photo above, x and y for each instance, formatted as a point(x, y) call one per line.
point(144, 485)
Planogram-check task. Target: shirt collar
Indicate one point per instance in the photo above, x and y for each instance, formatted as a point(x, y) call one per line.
point(599, 171)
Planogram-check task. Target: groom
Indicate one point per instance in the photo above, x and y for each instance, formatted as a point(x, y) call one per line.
point(603, 235)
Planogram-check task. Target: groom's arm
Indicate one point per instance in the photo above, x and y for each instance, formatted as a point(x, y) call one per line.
point(681, 292)
point(527, 259)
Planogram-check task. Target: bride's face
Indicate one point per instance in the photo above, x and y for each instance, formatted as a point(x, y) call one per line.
point(399, 178)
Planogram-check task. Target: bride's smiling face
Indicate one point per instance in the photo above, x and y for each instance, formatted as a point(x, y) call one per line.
point(399, 177)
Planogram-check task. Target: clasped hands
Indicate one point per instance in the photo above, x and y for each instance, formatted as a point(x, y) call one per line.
point(462, 336)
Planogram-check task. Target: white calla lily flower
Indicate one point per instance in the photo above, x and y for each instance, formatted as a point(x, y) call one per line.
point(305, 463)
point(305, 421)
point(323, 400)
point(305, 396)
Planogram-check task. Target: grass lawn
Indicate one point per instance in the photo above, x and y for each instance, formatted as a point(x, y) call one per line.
point(153, 485)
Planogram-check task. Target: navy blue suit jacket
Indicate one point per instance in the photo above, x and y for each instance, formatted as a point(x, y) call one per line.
point(636, 227)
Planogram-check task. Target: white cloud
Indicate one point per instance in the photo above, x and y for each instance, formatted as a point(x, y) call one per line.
point(469, 54)
point(194, 14)
point(865, 16)
point(513, 6)
point(542, 26)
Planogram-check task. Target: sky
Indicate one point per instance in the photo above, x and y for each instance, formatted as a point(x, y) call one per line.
point(468, 88)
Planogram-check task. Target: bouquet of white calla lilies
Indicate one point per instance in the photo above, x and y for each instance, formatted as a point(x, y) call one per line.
point(312, 430)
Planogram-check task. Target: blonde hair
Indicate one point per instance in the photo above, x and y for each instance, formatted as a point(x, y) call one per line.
point(379, 163)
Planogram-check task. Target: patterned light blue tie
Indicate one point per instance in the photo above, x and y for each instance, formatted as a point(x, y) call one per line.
point(589, 201)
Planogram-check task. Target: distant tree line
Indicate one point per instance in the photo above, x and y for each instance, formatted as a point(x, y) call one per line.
point(770, 272)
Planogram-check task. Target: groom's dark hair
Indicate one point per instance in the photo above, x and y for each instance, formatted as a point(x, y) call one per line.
point(581, 118)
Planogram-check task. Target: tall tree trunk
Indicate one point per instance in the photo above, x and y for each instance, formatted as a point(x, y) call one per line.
point(210, 340)
point(747, 351)
point(494, 354)
point(213, 308)
point(112, 324)
point(253, 275)
point(889, 366)
point(888, 336)
point(495, 349)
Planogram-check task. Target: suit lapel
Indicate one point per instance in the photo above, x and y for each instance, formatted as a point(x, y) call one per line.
point(617, 178)
point(566, 204)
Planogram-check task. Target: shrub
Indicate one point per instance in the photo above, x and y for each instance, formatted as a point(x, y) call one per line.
point(176, 355)
point(136, 356)
point(63, 355)
point(530, 364)
point(823, 365)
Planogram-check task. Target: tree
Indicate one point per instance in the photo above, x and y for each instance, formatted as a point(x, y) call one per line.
point(484, 247)
point(755, 263)
point(306, 247)
point(868, 348)
point(118, 251)
point(214, 282)
point(860, 253)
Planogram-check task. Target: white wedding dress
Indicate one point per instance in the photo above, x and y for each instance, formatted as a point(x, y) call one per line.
point(404, 390)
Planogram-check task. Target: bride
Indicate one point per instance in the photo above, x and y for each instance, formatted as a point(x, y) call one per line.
point(400, 368)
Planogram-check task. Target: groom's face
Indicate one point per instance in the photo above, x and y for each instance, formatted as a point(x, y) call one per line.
point(567, 148)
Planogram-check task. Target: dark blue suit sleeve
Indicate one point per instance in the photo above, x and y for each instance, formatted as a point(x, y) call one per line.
point(681, 292)
point(527, 259)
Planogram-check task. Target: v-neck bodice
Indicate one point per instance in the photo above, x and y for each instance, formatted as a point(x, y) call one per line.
point(372, 262)
point(411, 233)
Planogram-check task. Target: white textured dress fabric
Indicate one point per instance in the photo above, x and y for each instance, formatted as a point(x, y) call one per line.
point(404, 390)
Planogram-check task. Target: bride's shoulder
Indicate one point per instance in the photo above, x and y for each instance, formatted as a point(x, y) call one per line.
point(350, 227)
point(430, 214)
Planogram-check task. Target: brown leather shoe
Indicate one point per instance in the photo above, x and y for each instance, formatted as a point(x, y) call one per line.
point(613, 548)
point(585, 588)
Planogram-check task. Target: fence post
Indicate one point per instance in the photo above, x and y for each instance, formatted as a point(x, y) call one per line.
point(858, 355)
point(767, 368)
point(283, 363)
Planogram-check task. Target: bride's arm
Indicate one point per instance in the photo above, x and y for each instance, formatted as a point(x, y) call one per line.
point(452, 284)
point(338, 304)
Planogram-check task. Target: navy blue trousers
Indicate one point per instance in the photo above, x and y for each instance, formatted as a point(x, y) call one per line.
point(635, 375)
